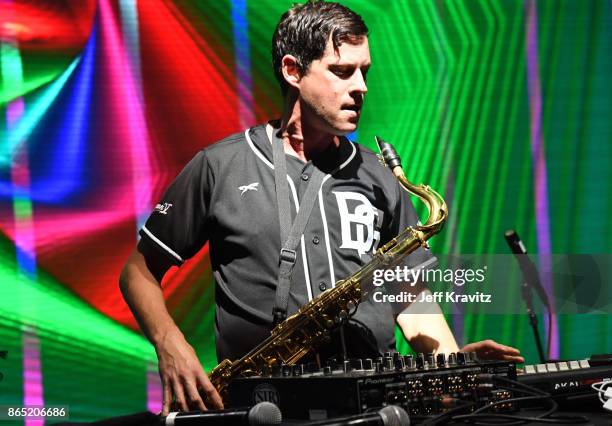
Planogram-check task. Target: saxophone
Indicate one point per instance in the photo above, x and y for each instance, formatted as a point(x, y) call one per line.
point(303, 331)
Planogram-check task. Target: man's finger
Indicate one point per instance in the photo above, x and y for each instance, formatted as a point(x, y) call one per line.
point(180, 395)
point(167, 399)
point(504, 348)
point(213, 399)
point(512, 358)
point(193, 397)
point(493, 345)
point(513, 351)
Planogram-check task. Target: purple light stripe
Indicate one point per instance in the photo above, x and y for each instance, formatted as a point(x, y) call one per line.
point(154, 388)
point(539, 166)
point(129, 112)
point(246, 102)
point(141, 166)
point(32, 373)
point(14, 111)
point(25, 243)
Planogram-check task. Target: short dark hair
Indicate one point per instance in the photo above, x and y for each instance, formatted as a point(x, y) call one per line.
point(304, 29)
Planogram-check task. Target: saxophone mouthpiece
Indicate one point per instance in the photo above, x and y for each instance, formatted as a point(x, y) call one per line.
point(388, 153)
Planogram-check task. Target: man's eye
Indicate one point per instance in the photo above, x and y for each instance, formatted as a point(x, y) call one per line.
point(342, 73)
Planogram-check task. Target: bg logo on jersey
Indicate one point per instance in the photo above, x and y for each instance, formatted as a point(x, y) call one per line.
point(358, 217)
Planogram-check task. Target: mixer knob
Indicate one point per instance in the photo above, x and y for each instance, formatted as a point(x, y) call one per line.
point(430, 360)
point(420, 361)
point(388, 363)
point(327, 370)
point(277, 370)
point(409, 361)
point(441, 360)
point(298, 370)
point(399, 364)
point(367, 364)
point(473, 357)
point(461, 359)
point(346, 366)
point(357, 364)
point(287, 370)
point(452, 358)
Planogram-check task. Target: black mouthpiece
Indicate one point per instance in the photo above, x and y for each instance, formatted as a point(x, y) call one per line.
point(388, 153)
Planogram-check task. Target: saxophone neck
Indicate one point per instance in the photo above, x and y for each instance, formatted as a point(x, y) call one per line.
point(435, 203)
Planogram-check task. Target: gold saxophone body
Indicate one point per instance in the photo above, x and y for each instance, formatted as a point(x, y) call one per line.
point(303, 331)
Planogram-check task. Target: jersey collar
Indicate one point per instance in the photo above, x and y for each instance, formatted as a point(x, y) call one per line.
point(329, 161)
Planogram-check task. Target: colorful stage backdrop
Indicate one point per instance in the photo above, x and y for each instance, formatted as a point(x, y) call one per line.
point(504, 106)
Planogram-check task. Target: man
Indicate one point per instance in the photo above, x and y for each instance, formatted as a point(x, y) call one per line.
point(226, 195)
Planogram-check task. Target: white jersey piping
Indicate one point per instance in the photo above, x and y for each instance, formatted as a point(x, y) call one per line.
point(162, 245)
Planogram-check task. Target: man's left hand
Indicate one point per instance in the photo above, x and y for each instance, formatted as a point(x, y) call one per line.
point(489, 349)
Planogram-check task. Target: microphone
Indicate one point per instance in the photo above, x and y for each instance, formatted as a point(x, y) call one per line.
point(262, 414)
point(530, 273)
point(391, 415)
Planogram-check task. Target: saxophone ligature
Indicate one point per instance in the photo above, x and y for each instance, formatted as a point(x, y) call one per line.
point(311, 325)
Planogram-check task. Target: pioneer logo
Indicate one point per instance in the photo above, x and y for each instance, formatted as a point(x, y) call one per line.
point(376, 381)
point(266, 392)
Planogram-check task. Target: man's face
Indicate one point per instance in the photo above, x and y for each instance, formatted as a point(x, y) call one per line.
point(333, 88)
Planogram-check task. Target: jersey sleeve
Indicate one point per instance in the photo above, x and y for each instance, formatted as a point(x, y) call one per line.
point(179, 225)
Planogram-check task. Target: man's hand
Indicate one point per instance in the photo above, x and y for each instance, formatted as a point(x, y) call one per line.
point(489, 349)
point(183, 377)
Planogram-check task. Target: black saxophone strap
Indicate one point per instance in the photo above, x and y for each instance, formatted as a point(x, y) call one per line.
point(290, 234)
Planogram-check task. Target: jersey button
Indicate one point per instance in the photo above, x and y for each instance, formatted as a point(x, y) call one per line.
point(315, 240)
point(305, 176)
point(322, 286)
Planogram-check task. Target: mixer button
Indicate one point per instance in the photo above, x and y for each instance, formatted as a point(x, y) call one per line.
point(562, 366)
point(541, 368)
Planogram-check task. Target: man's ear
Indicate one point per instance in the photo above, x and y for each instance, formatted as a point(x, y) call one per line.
point(291, 71)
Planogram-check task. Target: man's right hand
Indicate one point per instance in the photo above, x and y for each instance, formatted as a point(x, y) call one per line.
point(183, 378)
point(179, 368)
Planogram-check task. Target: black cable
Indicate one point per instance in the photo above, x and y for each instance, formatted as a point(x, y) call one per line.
point(442, 417)
point(432, 421)
point(520, 419)
point(519, 384)
point(535, 394)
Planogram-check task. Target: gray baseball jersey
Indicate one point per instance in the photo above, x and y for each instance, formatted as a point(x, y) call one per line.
point(226, 196)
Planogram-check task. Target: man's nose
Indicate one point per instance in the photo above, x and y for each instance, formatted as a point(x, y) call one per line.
point(359, 83)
